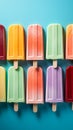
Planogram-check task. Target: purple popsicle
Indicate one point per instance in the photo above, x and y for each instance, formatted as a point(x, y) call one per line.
point(54, 85)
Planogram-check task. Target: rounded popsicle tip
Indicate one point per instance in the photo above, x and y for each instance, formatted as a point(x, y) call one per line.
point(32, 68)
point(2, 26)
point(12, 27)
point(11, 68)
point(69, 68)
point(69, 29)
point(2, 68)
point(34, 25)
point(54, 24)
point(51, 67)
point(69, 26)
point(15, 25)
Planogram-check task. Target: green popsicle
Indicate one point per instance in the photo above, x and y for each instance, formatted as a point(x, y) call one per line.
point(15, 91)
point(54, 46)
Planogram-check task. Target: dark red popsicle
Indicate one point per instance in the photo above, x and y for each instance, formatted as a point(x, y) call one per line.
point(69, 84)
point(2, 43)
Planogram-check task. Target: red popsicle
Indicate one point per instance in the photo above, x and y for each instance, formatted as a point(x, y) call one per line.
point(69, 85)
point(2, 43)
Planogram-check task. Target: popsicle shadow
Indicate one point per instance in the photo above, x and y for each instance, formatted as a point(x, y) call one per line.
point(48, 107)
point(42, 108)
point(10, 62)
point(22, 109)
point(3, 107)
point(25, 43)
point(44, 82)
point(59, 109)
point(11, 105)
point(64, 41)
point(70, 105)
point(25, 64)
point(25, 78)
point(63, 75)
point(3, 63)
point(44, 39)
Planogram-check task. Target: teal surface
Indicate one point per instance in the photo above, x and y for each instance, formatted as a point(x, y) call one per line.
point(43, 12)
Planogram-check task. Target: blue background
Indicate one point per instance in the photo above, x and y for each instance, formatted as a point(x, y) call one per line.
point(43, 12)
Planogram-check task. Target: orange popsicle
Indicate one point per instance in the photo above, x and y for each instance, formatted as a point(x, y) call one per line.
point(69, 42)
point(35, 43)
point(15, 43)
point(34, 92)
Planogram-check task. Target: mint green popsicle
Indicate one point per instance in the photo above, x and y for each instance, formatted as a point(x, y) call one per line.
point(15, 91)
point(54, 46)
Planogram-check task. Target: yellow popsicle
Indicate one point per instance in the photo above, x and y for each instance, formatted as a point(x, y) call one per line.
point(16, 46)
point(2, 84)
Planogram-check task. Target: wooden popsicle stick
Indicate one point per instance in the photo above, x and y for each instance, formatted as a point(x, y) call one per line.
point(55, 63)
point(35, 108)
point(16, 64)
point(54, 107)
point(35, 64)
point(72, 106)
point(15, 107)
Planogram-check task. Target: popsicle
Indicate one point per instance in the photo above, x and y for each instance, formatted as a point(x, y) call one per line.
point(54, 46)
point(35, 49)
point(69, 42)
point(54, 86)
point(16, 46)
point(15, 91)
point(34, 91)
point(2, 85)
point(2, 43)
point(69, 85)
